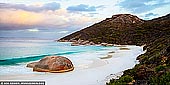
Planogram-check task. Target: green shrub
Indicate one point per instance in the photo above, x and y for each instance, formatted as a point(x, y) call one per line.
point(122, 80)
point(162, 80)
point(159, 68)
point(126, 79)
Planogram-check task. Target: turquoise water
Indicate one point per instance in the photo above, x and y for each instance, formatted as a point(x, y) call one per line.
point(14, 51)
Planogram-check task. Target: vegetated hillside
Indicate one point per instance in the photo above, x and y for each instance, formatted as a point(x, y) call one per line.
point(111, 30)
point(154, 66)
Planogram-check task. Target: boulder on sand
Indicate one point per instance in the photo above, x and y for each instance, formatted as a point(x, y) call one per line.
point(54, 64)
point(32, 64)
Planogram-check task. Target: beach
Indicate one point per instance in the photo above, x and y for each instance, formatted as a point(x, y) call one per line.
point(90, 67)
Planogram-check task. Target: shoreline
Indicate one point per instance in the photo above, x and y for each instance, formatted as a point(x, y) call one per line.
point(94, 72)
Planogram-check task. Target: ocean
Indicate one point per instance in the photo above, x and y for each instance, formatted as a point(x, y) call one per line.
point(15, 53)
point(92, 66)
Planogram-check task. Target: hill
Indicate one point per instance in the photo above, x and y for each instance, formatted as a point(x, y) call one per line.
point(154, 66)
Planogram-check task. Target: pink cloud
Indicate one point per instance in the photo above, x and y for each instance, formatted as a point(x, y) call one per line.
point(60, 18)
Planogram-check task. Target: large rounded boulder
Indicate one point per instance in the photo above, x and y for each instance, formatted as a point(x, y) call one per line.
point(54, 64)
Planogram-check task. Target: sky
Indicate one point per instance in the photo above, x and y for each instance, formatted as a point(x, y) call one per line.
point(56, 18)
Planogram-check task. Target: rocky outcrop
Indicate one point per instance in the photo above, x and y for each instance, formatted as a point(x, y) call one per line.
point(54, 64)
point(87, 43)
point(125, 18)
point(84, 42)
point(32, 64)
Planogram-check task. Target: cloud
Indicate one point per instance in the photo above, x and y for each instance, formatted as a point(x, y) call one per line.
point(33, 30)
point(84, 8)
point(35, 8)
point(19, 17)
point(150, 15)
point(63, 32)
point(92, 14)
point(136, 6)
point(61, 18)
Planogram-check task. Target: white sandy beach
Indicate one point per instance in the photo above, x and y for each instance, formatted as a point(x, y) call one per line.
point(88, 71)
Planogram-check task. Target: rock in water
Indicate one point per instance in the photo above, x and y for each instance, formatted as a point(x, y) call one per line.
point(54, 64)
